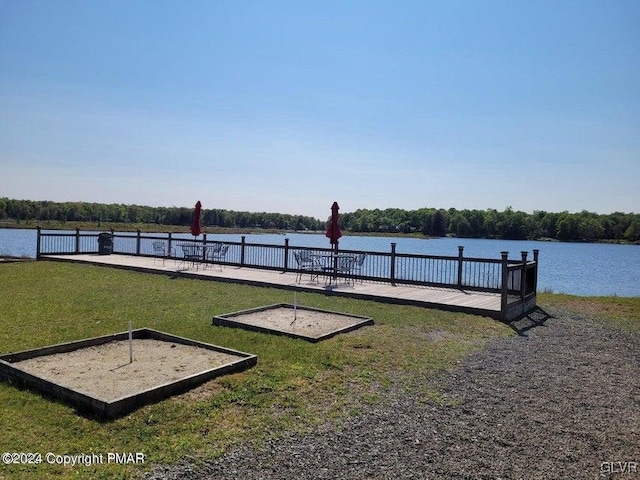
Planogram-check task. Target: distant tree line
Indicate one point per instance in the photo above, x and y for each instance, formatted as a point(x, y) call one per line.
point(23, 210)
point(508, 224)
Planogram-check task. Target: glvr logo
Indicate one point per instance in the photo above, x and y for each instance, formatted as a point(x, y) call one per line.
point(619, 467)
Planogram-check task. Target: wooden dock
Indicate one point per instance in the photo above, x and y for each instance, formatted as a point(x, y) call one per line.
point(452, 299)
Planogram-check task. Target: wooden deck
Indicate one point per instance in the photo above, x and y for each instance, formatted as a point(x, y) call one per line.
point(486, 304)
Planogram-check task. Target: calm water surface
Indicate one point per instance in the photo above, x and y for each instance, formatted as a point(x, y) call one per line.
point(577, 268)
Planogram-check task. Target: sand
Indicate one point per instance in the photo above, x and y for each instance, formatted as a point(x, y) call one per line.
point(306, 323)
point(104, 372)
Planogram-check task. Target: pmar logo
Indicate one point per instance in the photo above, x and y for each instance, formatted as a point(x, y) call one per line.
point(125, 458)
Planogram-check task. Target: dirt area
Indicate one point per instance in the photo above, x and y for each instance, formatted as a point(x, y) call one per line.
point(104, 371)
point(559, 401)
point(302, 322)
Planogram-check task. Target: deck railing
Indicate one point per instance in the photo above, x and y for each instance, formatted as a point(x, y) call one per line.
point(509, 277)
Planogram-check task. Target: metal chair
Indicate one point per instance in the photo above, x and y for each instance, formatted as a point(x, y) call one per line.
point(306, 263)
point(345, 266)
point(358, 264)
point(191, 254)
point(217, 254)
point(159, 251)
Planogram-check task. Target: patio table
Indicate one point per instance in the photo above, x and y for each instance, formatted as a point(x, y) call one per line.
point(333, 264)
point(195, 254)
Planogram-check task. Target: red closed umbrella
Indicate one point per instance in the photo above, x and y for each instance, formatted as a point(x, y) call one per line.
point(333, 232)
point(196, 228)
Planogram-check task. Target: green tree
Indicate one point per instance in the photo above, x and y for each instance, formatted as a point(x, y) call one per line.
point(460, 226)
point(568, 228)
point(591, 229)
point(3, 208)
point(440, 223)
point(633, 232)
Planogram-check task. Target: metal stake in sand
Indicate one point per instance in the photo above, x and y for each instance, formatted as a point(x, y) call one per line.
point(130, 342)
point(295, 307)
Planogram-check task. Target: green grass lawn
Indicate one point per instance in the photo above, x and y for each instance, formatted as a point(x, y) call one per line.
point(296, 384)
point(621, 312)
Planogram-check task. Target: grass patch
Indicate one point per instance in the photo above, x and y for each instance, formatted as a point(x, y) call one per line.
point(296, 384)
point(621, 312)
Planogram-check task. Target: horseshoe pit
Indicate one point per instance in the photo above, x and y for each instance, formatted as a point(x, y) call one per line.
point(112, 375)
point(307, 323)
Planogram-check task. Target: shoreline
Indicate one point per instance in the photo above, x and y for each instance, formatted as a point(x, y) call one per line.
point(159, 228)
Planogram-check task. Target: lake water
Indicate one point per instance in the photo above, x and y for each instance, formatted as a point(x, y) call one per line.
point(577, 268)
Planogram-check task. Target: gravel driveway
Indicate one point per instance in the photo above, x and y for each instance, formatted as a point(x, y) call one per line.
point(560, 402)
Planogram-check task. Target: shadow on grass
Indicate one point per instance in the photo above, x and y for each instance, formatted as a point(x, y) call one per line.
point(535, 318)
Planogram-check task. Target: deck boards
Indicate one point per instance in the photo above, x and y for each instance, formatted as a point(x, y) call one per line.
point(449, 299)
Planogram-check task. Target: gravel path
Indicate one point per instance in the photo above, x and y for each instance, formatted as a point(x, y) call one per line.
point(562, 402)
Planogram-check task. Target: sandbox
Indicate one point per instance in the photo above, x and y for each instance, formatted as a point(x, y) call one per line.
point(96, 374)
point(311, 324)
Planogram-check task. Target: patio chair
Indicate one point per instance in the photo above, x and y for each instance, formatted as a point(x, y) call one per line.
point(159, 251)
point(217, 254)
point(210, 251)
point(306, 263)
point(358, 264)
point(191, 254)
point(214, 247)
point(345, 267)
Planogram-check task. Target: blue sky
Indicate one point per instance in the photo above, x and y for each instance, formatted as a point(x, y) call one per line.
point(286, 106)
